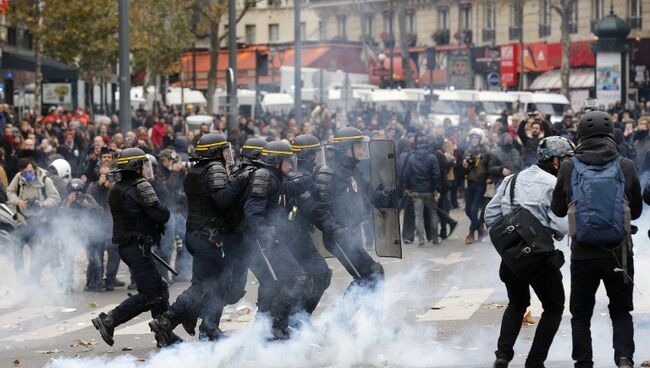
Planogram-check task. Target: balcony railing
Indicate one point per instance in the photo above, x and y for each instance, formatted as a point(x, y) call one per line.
point(544, 30)
point(488, 35)
point(515, 33)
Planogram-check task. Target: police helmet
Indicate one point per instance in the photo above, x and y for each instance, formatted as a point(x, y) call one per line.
point(76, 185)
point(252, 148)
point(130, 159)
point(477, 132)
point(210, 146)
point(305, 144)
point(594, 124)
point(277, 151)
point(555, 146)
point(346, 138)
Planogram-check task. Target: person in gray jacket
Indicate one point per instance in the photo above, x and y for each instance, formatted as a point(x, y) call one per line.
point(33, 196)
point(534, 192)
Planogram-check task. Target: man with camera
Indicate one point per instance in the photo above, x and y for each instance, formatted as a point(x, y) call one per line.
point(477, 162)
point(530, 132)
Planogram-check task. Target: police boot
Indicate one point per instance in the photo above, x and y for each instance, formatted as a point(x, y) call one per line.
point(189, 325)
point(163, 328)
point(500, 363)
point(625, 363)
point(210, 333)
point(280, 331)
point(105, 324)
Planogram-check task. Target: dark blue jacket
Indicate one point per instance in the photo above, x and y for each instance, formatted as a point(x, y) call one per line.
point(422, 173)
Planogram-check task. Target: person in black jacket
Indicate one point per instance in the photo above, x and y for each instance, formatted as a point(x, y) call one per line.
point(422, 182)
point(446, 164)
point(591, 263)
point(539, 128)
point(138, 222)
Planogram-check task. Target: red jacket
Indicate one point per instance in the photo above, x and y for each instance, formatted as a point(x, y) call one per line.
point(157, 133)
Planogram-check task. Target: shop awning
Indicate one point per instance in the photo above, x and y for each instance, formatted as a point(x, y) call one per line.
point(581, 78)
point(14, 59)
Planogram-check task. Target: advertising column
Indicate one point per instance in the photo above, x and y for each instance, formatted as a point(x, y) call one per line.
point(608, 78)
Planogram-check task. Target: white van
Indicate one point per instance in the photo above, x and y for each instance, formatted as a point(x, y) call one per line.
point(553, 104)
point(448, 106)
point(493, 103)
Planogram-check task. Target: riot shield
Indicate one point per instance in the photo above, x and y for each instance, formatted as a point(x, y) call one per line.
point(383, 172)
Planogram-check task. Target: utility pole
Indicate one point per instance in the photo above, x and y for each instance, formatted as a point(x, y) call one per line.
point(297, 67)
point(232, 63)
point(124, 74)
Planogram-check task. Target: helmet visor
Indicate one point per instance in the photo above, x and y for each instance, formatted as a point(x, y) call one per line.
point(229, 155)
point(147, 170)
point(360, 150)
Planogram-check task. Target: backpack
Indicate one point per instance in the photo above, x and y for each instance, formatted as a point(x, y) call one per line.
point(522, 241)
point(598, 213)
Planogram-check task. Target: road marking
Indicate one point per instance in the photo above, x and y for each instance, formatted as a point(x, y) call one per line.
point(60, 328)
point(451, 259)
point(25, 314)
point(457, 305)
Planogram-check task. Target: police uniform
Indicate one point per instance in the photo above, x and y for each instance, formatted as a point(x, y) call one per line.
point(282, 280)
point(138, 221)
point(299, 229)
point(344, 199)
point(209, 240)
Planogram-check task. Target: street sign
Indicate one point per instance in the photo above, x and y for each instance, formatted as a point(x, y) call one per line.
point(493, 79)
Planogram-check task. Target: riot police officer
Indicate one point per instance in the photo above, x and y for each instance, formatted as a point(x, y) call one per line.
point(308, 151)
point(344, 200)
point(282, 280)
point(209, 240)
point(138, 222)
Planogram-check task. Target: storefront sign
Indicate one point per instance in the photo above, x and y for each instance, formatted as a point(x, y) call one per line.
point(509, 65)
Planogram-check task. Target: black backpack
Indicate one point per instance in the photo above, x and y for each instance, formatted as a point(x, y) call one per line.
point(524, 244)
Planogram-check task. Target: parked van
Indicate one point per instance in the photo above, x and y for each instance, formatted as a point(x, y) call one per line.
point(553, 104)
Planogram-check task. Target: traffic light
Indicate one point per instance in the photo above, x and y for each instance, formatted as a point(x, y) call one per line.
point(431, 58)
point(262, 63)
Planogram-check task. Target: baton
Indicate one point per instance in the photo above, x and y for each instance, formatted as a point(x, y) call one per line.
point(164, 264)
point(266, 260)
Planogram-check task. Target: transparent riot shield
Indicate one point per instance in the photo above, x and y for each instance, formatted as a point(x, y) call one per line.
point(383, 174)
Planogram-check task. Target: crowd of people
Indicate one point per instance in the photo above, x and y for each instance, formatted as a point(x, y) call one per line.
point(172, 185)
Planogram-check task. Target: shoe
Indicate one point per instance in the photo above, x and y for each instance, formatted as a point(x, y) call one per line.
point(500, 363)
point(189, 325)
point(212, 335)
point(482, 232)
point(114, 283)
point(163, 328)
point(281, 334)
point(105, 324)
point(436, 242)
point(452, 227)
point(469, 239)
point(110, 287)
point(406, 241)
point(625, 363)
point(132, 286)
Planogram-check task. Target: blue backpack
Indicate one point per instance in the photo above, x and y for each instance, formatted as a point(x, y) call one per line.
point(598, 197)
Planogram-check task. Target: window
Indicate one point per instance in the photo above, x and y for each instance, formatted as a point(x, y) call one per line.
point(490, 16)
point(303, 30)
point(410, 21)
point(516, 21)
point(634, 11)
point(544, 18)
point(443, 18)
point(274, 32)
point(573, 22)
point(342, 25)
point(388, 22)
point(322, 31)
point(250, 34)
point(597, 9)
point(369, 25)
point(466, 16)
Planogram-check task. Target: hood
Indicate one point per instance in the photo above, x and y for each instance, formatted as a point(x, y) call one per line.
point(597, 151)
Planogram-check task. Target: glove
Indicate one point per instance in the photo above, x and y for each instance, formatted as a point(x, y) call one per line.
point(145, 248)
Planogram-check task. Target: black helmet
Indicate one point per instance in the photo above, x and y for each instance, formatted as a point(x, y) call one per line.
point(76, 185)
point(594, 124)
point(277, 151)
point(210, 146)
point(130, 159)
point(252, 148)
point(345, 138)
point(305, 144)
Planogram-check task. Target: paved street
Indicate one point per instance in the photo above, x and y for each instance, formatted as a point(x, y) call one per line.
point(441, 308)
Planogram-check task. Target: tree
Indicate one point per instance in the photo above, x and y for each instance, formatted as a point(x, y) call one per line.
point(565, 9)
point(29, 15)
point(160, 31)
point(86, 36)
point(207, 17)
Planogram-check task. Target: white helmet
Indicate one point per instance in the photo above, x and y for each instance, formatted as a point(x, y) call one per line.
point(60, 168)
point(479, 132)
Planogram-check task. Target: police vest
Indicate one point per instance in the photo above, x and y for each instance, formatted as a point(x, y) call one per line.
point(200, 208)
point(127, 223)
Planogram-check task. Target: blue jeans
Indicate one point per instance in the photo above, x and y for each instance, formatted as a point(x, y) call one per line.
point(473, 198)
